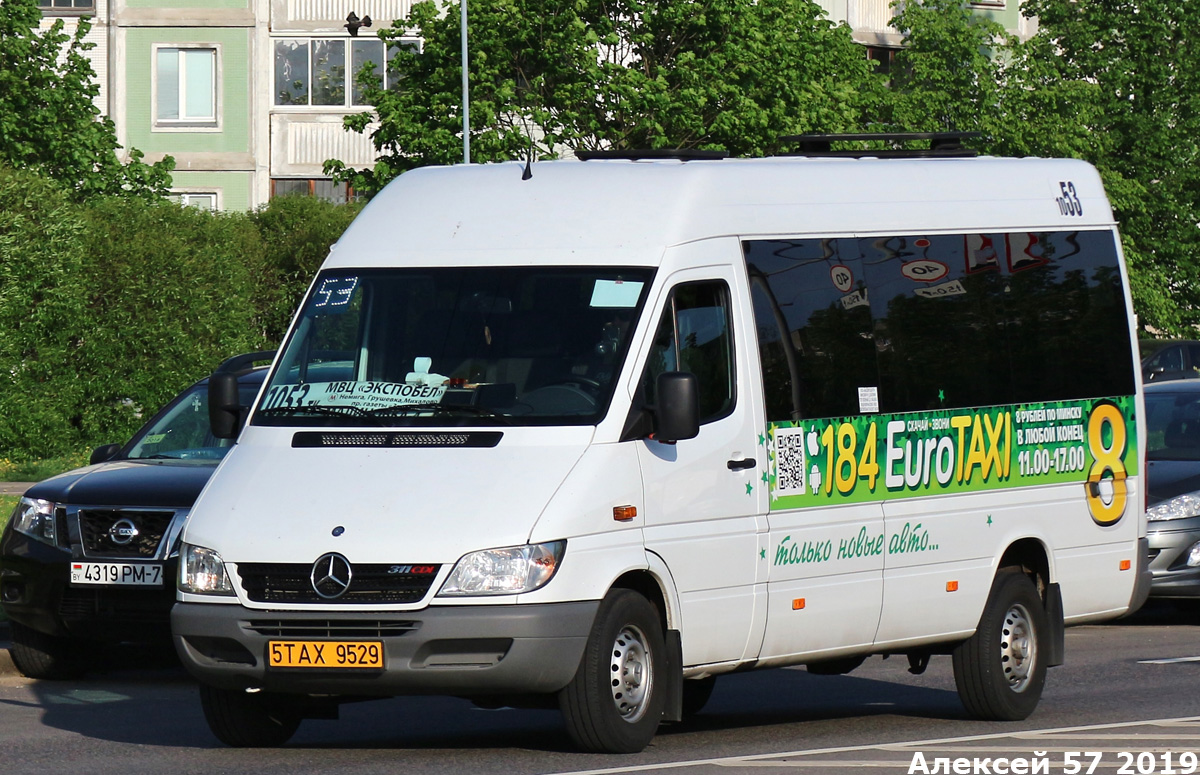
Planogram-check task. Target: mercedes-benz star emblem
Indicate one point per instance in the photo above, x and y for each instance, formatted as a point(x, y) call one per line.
point(122, 532)
point(331, 575)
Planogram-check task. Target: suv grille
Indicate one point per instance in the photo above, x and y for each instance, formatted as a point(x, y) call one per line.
point(375, 583)
point(101, 540)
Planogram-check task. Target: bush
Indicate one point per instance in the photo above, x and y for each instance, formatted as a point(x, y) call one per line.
point(296, 234)
point(173, 292)
point(110, 307)
point(42, 316)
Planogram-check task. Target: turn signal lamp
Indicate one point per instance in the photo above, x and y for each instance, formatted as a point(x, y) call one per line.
point(624, 513)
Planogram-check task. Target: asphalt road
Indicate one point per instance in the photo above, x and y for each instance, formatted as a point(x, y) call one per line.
point(141, 715)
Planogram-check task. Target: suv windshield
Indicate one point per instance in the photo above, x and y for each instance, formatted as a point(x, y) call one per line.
point(181, 431)
point(456, 346)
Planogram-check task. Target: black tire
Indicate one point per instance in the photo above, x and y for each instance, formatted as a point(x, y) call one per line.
point(1001, 669)
point(615, 701)
point(696, 693)
point(245, 720)
point(38, 655)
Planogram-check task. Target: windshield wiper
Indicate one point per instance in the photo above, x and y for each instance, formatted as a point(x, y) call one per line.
point(470, 409)
point(326, 411)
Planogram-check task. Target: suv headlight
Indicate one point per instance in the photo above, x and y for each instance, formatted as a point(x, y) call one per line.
point(202, 572)
point(1179, 507)
point(508, 571)
point(35, 518)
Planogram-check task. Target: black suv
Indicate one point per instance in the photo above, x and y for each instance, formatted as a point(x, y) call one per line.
point(91, 556)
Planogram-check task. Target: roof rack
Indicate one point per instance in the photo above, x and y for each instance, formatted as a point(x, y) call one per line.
point(941, 145)
point(246, 360)
point(682, 154)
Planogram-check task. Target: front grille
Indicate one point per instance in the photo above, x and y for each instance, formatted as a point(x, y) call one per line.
point(375, 583)
point(141, 607)
point(331, 628)
point(100, 540)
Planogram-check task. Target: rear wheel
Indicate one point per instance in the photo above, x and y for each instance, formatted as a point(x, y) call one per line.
point(1001, 669)
point(38, 655)
point(245, 720)
point(615, 701)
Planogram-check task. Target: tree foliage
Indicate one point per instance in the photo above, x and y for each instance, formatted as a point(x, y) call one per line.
point(551, 76)
point(1143, 60)
point(1112, 83)
point(48, 120)
point(110, 306)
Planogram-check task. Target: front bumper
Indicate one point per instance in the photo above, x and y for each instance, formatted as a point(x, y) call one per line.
point(452, 650)
point(35, 591)
point(1169, 547)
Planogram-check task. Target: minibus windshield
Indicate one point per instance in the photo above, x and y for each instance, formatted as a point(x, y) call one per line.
point(456, 346)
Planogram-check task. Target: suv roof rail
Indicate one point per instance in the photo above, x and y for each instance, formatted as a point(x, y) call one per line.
point(941, 144)
point(682, 154)
point(245, 360)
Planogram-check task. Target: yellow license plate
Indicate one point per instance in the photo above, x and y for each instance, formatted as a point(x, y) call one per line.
point(325, 653)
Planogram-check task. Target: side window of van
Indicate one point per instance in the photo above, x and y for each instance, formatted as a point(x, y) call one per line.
point(694, 335)
point(937, 321)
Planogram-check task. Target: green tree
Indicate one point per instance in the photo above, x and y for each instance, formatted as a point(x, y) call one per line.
point(948, 75)
point(1140, 65)
point(48, 120)
point(733, 75)
point(1110, 83)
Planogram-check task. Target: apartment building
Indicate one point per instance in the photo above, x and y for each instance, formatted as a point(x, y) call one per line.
point(248, 96)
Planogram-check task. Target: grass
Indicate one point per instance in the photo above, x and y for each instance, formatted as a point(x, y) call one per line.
point(7, 504)
point(37, 470)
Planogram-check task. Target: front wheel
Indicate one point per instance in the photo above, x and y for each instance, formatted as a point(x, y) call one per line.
point(245, 720)
point(1001, 669)
point(615, 701)
point(38, 655)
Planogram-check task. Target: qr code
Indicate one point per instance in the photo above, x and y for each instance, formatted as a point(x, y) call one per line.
point(789, 461)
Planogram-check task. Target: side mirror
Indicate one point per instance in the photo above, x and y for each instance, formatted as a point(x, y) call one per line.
point(101, 454)
point(224, 409)
point(677, 410)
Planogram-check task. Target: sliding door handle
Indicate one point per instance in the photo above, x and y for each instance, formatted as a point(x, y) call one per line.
point(743, 464)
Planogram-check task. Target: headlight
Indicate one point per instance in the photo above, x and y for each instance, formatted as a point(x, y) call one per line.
point(508, 571)
point(35, 518)
point(202, 572)
point(1179, 507)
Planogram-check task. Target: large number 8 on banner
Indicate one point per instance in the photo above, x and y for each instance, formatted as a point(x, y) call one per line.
point(1107, 459)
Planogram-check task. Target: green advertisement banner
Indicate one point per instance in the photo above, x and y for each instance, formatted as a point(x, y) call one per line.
point(876, 457)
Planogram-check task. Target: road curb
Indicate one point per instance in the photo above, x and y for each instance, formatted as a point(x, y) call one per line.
point(14, 488)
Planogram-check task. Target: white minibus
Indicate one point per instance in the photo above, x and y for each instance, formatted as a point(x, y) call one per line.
point(595, 432)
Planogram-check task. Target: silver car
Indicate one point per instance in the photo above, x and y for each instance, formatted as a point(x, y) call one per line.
point(1173, 483)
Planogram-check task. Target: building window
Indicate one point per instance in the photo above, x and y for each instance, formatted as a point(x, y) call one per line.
point(338, 193)
point(186, 83)
point(67, 6)
point(886, 58)
point(201, 200)
point(315, 71)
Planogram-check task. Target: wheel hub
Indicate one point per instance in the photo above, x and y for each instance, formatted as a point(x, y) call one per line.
point(1018, 648)
point(631, 673)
